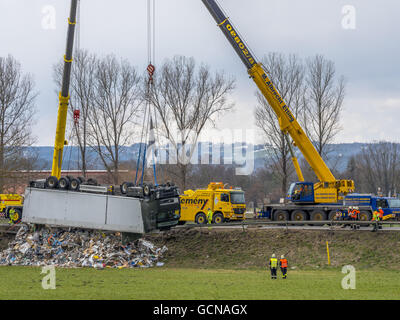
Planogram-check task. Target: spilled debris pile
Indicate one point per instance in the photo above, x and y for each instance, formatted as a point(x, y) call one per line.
point(78, 248)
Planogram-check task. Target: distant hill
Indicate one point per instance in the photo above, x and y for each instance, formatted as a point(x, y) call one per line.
point(339, 154)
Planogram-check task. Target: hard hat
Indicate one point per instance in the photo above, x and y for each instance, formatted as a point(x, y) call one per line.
point(380, 208)
point(356, 208)
point(273, 255)
point(282, 256)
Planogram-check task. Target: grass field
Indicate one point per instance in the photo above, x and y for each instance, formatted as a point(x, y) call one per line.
point(229, 265)
point(171, 283)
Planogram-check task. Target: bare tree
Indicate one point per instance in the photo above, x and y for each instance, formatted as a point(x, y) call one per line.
point(379, 167)
point(325, 95)
point(82, 99)
point(187, 99)
point(17, 110)
point(287, 74)
point(117, 102)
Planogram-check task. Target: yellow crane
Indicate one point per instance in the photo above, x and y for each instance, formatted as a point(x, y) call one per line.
point(328, 189)
point(63, 97)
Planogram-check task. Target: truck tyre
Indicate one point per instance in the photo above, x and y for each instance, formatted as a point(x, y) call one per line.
point(146, 190)
point(92, 182)
point(281, 215)
point(201, 218)
point(125, 186)
point(218, 218)
point(63, 183)
point(299, 215)
point(81, 180)
point(365, 216)
point(51, 182)
point(318, 215)
point(16, 216)
point(332, 215)
point(74, 184)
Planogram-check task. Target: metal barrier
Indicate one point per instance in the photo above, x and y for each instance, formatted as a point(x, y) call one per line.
point(287, 223)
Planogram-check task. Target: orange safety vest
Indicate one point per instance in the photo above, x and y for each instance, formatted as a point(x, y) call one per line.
point(380, 213)
point(284, 263)
point(354, 214)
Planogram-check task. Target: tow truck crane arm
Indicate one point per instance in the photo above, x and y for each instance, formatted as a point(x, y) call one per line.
point(287, 121)
point(64, 96)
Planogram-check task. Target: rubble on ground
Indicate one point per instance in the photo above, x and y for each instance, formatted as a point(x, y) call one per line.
point(78, 248)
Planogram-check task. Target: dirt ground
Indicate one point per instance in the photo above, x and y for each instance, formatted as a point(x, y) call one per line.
point(304, 249)
point(250, 249)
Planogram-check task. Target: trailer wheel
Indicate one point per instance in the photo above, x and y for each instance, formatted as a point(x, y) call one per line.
point(332, 215)
point(91, 182)
point(74, 184)
point(318, 215)
point(125, 186)
point(299, 215)
point(218, 218)
point(201, 218)
point(281, 215)
point(364, 216)
point(63, 183)
point(146, 190)
point(81, 180)
point(51, 182)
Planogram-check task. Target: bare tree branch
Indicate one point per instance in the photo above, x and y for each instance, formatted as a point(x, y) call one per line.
point(287, 74)
point(187, 99)
point(17, 110)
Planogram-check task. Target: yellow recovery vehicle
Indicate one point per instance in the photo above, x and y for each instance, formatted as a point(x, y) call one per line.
point(8, 202)
point(226, 204)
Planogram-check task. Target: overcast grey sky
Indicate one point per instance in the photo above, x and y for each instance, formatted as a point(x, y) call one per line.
point(368, 56)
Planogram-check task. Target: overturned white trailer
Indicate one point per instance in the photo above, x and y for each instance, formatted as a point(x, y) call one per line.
point(89, 210)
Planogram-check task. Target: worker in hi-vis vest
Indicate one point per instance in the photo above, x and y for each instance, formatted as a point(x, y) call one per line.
point(283, 263)
point(273, 265)
point(209, 217)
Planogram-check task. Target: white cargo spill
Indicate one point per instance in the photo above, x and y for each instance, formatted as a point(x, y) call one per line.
point(83, 210)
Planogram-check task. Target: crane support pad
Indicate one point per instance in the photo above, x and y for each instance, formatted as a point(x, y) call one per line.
point(86, 210)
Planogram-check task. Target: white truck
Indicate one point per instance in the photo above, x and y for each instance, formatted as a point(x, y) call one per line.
point(136, 209)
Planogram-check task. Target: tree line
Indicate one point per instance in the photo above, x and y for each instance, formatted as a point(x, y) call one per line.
point(187, 98)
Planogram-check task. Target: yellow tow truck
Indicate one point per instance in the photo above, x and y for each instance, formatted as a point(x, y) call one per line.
point(225, 203)
point(10, 206)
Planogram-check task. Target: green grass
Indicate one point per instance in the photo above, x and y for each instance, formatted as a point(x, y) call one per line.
point(171, 283)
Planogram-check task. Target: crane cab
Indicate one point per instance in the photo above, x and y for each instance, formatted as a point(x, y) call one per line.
point(301, 192)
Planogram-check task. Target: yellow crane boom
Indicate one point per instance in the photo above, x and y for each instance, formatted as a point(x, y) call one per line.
point(64, 96)
point(329, 188)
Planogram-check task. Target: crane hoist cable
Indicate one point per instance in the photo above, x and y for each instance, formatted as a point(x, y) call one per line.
point(148, 124)
point(77, 112)
point(140, 145)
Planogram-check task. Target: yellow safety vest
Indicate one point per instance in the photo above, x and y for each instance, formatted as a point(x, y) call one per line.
point(209, 216)
point(274, 262)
